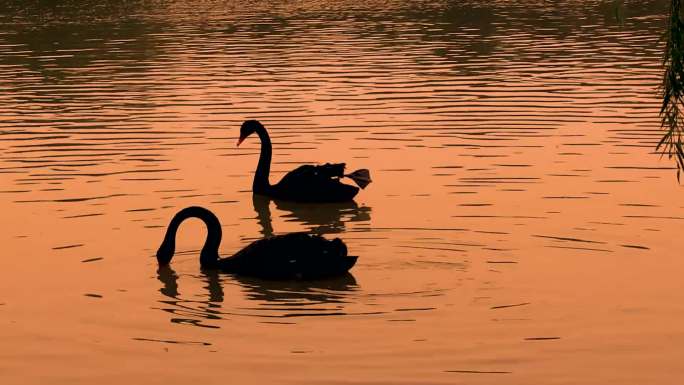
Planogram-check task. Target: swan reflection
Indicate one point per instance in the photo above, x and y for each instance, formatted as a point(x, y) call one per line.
point(328, 291)
point(261, 298)
point(167, 276)
point(191, 312)
point(324, 218)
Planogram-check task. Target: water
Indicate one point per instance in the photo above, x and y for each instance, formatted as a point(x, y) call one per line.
point(520, 228)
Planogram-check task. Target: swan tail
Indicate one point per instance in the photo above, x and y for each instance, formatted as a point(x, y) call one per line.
point(361, 177)
point(346, 263)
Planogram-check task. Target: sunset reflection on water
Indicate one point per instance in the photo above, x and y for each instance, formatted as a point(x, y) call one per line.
point(520, 228)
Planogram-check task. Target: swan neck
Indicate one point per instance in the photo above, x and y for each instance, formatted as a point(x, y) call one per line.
point(209, 253)
point(261, 184)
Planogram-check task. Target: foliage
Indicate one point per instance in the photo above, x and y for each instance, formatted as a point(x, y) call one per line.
point(672, 89)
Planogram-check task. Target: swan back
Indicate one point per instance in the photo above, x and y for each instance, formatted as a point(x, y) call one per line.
point(291, 256)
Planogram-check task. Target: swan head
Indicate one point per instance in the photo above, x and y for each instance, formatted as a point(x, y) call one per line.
point(248, 128)
point(165, 252)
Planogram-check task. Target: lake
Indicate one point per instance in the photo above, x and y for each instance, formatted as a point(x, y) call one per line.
point(520, 227)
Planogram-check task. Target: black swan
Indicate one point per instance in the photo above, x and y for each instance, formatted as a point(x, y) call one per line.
point(289, 256)
point(305, 183)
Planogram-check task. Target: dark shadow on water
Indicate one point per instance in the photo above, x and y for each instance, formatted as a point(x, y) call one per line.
point(78, 35)
point(272, 299)
point(190, 312)
point(167, 276)
point(319, 218)
point(326, 291)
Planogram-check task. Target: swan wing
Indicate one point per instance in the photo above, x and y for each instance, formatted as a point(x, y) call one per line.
point(312, 173)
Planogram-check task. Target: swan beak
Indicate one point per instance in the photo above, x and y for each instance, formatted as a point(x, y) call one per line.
point(240, 141)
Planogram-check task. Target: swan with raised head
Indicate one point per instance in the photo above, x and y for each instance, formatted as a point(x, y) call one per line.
point(289, 256)
point(307, 183)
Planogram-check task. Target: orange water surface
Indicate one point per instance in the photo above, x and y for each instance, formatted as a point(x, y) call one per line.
point(520, 228)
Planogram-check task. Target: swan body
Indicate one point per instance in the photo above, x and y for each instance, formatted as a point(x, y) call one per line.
point(289, 256)
point(308, 183)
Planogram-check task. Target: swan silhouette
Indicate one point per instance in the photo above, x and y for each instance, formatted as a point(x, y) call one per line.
point(289, 256)
point(306, 183)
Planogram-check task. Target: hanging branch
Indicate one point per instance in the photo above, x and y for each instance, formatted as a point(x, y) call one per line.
point(672, 89)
